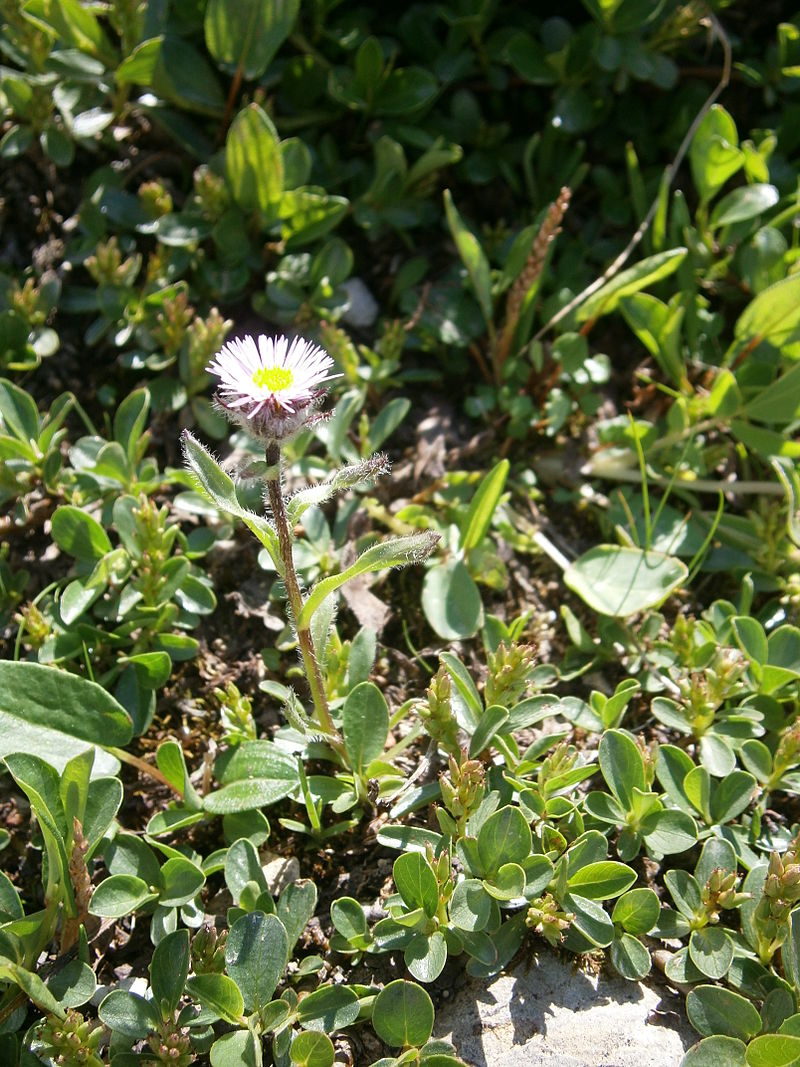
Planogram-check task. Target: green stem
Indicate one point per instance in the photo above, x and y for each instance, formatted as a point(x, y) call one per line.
point(698, 485)
point(295, 597)
point(142, 766)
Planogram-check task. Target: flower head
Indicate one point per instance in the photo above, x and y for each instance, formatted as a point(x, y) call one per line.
point(270, 386)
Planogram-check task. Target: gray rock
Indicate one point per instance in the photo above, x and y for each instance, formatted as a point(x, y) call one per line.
point(549, 1013)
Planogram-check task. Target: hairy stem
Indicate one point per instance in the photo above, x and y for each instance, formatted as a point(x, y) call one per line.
point(293, 594)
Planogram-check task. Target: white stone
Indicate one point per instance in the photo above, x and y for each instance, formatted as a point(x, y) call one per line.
point(550, 1013)
point(363, 309)
point(279, 871)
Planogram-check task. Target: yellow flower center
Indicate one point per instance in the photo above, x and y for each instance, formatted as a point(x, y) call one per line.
point(276, 379)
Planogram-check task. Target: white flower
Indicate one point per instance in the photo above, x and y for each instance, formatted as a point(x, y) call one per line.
point(270, 386)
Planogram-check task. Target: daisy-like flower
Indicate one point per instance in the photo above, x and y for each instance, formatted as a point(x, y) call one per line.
point(270, 387)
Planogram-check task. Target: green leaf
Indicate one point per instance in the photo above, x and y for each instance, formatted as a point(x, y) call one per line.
point(767, 443)
point(505, 837)
point(773, 315)
point(637, 911)
point(74, 25)
point(248, 36)
point(482, 507)
point(604, 807)
point(10, 903)
point(416, 882)
point(296, 906)
point(470, 906)
point(329, 1008)
point(465, 688)
point(19, 412)
point(73, 788)
point(183, 75)
point(152, 668)
point(714, 154)
point(507, 883)
point(236, 1050)
point(405, 91)
point(275, 1014)
point(590, 847)
point(219, 488)
point(408, 838)
point(171, 763)
point(255, 954)
point(672, 766)
point(751, 638)
point(102, 804)
point(73, 985)
point(714, 1010)
point(425, 956)
point(219, 994)
point(46, 710)
point(130, 421)
point(171, 820)
point(619, 581)
point(307, 215)
point(337, 481)
point(312, 1049)
point(621, 764)
point(387, 420)
point(402, 1014)
point(365, 725)
point(697, 787)
point(592, 923)
point(243, 866)
point(31, 984)
point(492, 720)
point(253, 161)
point(40, 783)
point(538, 874)
point(790, 480)
point(717, 854)
point(716, 1052)
point(743, 204)
point(119, 895)
point(731, 796)
point(183, 880)
point(783, 661)
point(641, 275)
point(790, 950)
point(257, 759)
point(685, 891)
point(348, 918)
point(396, 552)
point(76, 532)
point(169, 969)
point(711, 951)
point(451, 601)
point(255, 774)
point(630, 957)
point(128, 1014)
point(774, 1050)
point(757, 759)
point(601, 881)
point(245, 796)
point(474, 259)
point(779, 403)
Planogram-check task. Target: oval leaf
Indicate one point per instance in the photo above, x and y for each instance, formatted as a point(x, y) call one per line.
point(619, 581)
